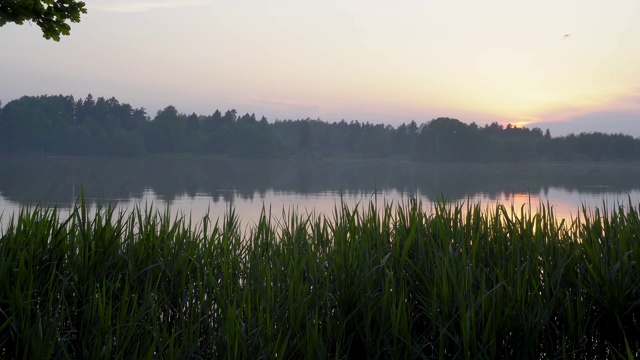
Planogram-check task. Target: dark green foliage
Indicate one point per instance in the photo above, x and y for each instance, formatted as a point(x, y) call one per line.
point(50, 15)
point(59, 125)
point(447, 139)
point(459, 282)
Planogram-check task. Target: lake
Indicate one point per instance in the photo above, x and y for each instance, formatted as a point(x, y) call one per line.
point(197, 186)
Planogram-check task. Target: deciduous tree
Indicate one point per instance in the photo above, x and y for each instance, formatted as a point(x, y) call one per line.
point(50, 15)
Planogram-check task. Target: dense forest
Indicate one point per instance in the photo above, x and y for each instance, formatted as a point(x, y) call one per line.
point(61, 125)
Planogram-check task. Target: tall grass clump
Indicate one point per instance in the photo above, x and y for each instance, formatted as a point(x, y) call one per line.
point(456, 282)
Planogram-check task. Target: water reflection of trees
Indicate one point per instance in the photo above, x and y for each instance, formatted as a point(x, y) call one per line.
point(57, 180)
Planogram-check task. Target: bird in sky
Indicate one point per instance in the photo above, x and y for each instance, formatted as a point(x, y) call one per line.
point(566, 36)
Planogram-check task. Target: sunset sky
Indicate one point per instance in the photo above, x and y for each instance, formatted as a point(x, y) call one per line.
point(568, 65)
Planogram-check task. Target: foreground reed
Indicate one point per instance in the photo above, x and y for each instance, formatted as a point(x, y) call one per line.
point(459, 281)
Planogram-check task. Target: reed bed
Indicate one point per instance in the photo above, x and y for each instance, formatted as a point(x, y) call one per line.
point(456, 282)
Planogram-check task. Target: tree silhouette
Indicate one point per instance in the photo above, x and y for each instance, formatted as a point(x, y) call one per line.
point(104, 126)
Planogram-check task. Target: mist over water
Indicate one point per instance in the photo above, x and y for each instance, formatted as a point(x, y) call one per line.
point(196, 187)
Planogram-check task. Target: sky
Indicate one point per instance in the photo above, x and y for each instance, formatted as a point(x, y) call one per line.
point(569, 66)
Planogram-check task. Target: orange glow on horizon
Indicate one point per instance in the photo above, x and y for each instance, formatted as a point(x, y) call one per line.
point(521, 124)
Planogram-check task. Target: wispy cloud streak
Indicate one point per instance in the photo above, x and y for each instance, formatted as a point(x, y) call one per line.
point(142, 6)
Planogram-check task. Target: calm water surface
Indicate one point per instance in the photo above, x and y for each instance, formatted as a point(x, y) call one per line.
point(196, 187)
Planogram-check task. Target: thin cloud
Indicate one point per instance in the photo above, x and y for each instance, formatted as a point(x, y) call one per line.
point(629, 103)
point(608, 121)
point(142, 6)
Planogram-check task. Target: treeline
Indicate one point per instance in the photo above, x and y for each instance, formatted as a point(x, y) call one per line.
point(61, 125)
